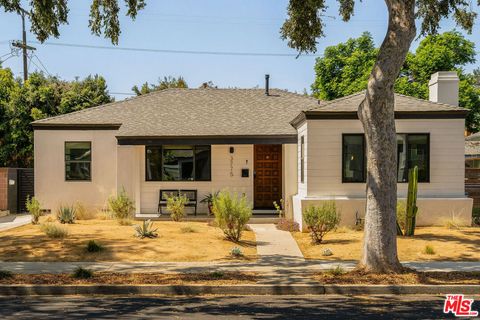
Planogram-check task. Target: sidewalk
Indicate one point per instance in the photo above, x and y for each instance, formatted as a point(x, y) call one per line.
point(14, 220)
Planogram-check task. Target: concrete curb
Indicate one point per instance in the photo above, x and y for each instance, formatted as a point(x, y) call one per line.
point(254, 289)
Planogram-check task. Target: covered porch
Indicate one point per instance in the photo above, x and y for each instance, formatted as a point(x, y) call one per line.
point(264, 171)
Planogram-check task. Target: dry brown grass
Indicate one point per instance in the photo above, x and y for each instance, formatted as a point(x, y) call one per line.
point(409, 277)
point(216, 278)
point(29, 243)
point(450, 244)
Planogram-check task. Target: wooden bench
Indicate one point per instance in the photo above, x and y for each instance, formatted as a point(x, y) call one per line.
point(190, 194)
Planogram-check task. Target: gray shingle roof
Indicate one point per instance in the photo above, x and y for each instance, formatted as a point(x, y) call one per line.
point(195, 112)
point(402, 104)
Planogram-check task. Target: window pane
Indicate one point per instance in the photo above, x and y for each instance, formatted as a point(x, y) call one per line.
point(78, 171)
point(402, 169)
point(80, 151)
point(78, 156)
point(202, 163)
point(177, 163)
point(418, 154)
point(154, 163)
point(353, 158)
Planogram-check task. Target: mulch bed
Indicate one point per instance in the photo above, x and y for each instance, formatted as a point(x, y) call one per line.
point(214, 278)
point(409, 277)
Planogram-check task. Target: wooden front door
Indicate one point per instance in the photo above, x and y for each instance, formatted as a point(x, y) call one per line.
point(267, 175)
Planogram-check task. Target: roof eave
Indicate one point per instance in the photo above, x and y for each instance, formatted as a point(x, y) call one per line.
point(75, 126)
point(207, 140)
point(352, 115)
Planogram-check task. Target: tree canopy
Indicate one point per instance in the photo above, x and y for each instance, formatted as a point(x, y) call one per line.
point(39, 97)
point(344, 69)
point(165, 83)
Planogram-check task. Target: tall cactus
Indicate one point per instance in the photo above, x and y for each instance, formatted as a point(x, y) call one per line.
point(411, 202)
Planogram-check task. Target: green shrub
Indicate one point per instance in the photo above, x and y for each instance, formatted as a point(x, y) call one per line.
point(337, 271)
point(53, 230)
point(176, 207)
point(401, 213)
point(121, 205)
point(429, 250)
point(66, 214)
point(82, 213)
point(146, 230)
point(286, 224)
point(279, 208)
point(5, 274)
point(82, 273)
point(93, 246)
point(125, 222)
point(236, 252)
point(188, 229)
point(33, 207)
point(231, 214)
point(327, 252)
point(217, 274)
point(321, 219)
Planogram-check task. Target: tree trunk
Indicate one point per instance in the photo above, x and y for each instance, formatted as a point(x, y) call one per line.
point(376, 113)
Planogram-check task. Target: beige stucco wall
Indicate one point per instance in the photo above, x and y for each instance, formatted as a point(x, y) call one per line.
point(115, 167)
point(324, 160)
point(442, 197)
point(52, 189)
point(290, 177)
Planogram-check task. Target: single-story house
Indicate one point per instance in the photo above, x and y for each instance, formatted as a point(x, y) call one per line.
point(267, 144)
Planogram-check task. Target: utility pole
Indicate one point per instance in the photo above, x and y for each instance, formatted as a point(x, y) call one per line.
point(23, 45)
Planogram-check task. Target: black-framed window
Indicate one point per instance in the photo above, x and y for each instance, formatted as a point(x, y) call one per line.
point(302, 159)
point(178, 163)
point(78, 160)
point(353, 158)
point(413, 149)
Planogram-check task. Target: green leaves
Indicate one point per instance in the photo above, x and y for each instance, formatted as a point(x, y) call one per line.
point(344, 68)
point(304, 24)
point(38, 98)
point(46, 16)
point(165, 83)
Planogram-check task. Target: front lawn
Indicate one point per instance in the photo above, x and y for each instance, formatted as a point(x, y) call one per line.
point(176, 241)
point(448, 244)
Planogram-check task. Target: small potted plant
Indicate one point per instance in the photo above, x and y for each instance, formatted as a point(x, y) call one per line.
point(208, 199)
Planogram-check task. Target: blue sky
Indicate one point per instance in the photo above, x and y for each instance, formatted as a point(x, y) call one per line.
point(209, 25)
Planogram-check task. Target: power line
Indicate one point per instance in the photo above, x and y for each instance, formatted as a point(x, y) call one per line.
point(41, 63)
point(217, 53)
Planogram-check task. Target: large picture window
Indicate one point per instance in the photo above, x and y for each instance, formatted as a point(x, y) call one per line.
point(178, 163)
point(78, 161)
point(413, 149)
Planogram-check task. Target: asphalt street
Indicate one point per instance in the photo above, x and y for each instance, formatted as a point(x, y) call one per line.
point(209, 307)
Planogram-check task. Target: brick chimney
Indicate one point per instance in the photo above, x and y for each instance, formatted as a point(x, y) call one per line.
point(443, 87)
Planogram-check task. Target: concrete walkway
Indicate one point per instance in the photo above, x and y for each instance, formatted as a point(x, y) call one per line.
point(14, 220)
point(272, 242)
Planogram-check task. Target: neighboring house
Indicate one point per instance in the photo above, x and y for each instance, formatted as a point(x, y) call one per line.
point(242, 140)
point(472, 168)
